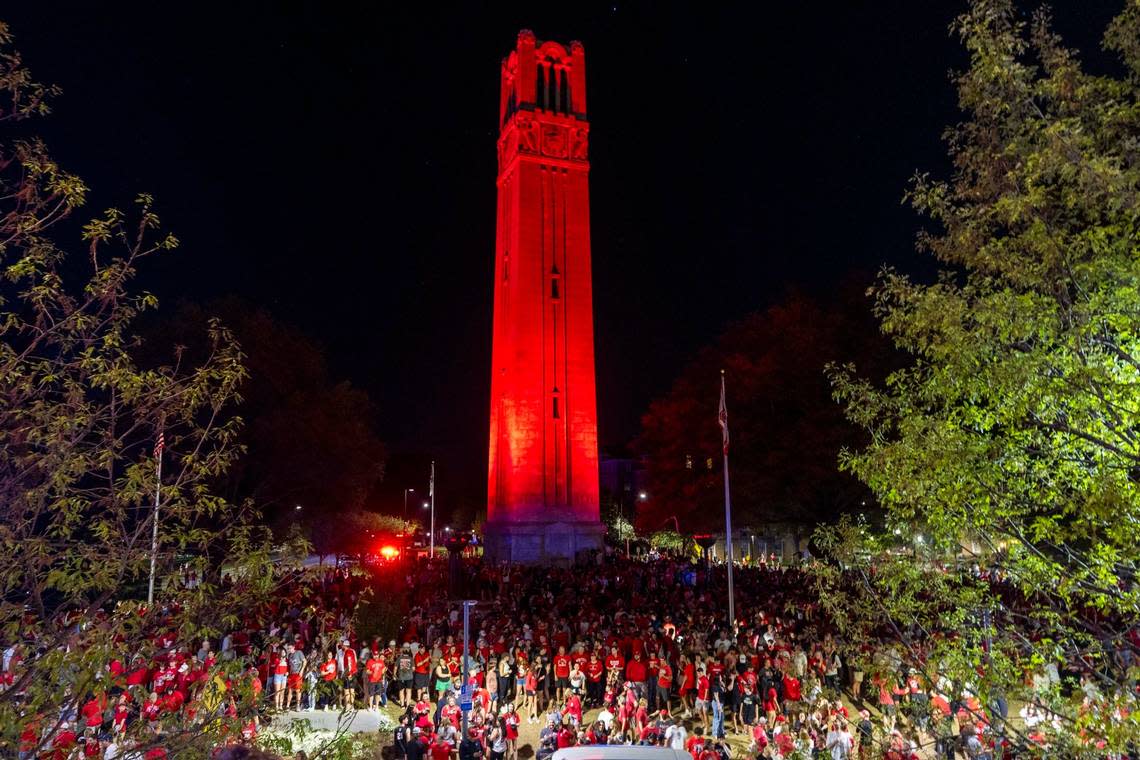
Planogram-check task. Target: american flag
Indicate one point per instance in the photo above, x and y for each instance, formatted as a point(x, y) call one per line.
point(722, 416)
point(159, 445)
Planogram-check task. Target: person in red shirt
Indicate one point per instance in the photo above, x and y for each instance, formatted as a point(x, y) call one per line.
point(151, 711)
point(595, 669)
point(784, 742)
point(374, 671)
point(440, 749)
point(641, 716)
point(664, 684)
point(566, 737)
point(688, 683)
point(63, 743)
point(346, 669)
point(172, 702)
point(93, 711)
point(511, 722)
point(91, 746)
point(574, 708)
point(701, 705)
point(561, 674)
point(119, 716)
point(327, 675)
point(636, 672)
point(255, 685)
point(760, 736)
point(450, 712)
point(421, 671)
point(695, 744)
point(279, 668)
point(615, 664)
point(792, 692)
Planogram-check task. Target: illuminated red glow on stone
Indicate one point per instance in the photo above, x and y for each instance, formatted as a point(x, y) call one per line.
point(543, 459)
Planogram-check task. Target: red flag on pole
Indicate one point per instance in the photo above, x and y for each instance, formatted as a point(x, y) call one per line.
point(159, 445)
point(722, 417)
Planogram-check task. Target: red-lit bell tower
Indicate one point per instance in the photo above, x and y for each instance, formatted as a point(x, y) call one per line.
point(542, 499)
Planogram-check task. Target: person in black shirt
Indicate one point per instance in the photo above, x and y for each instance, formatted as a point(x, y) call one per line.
point(866, 731)
point(402, 737)
point(547, 741)
point(415, 749)
point(470, 748)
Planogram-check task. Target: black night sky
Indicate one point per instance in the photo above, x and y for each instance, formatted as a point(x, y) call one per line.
point(335, 162)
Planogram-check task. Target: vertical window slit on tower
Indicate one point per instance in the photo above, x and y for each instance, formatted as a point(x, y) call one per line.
point(554, 289)
point(539, 83)
point(564, 89)
point(555, 400)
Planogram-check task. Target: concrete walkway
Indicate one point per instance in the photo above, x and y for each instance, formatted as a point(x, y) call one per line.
point(357, 721)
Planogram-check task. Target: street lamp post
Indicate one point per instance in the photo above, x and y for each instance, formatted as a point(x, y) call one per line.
point(431, 496)
point(406, 492)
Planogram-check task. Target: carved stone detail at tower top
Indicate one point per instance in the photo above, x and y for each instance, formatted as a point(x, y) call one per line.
point(528, 135)
point(579, 144)
point(554, 141)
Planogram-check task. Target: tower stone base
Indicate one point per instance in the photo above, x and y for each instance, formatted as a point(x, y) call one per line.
point(541, 543)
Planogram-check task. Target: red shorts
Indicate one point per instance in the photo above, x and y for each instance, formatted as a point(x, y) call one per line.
point(294, 681)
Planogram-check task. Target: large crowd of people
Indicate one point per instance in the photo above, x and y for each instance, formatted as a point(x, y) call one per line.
point(615, 651)
point(287, 655)
point(643, 652)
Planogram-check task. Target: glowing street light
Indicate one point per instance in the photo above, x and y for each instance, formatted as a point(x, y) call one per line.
point(643, 496)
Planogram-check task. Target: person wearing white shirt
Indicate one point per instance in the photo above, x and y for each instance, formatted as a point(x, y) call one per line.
point(839, 742)
point(675, 736)
point(799, 662)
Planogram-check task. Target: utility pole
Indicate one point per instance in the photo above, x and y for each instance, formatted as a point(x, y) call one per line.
point(431, 495)
point(465, 690)
point(159, 445)
point(722, 417)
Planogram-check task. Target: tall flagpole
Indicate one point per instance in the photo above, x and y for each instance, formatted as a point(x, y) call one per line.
point(431, 495)
point(159, 445)
point(723, 418)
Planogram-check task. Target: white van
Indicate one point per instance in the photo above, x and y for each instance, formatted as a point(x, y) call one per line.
point(620, 752)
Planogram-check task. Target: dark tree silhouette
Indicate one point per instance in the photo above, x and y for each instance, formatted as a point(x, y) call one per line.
point(310, 440)
point(787, 430)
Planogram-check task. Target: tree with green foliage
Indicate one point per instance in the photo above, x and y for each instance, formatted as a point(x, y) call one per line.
point(79, 421)
point(1007, 453)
